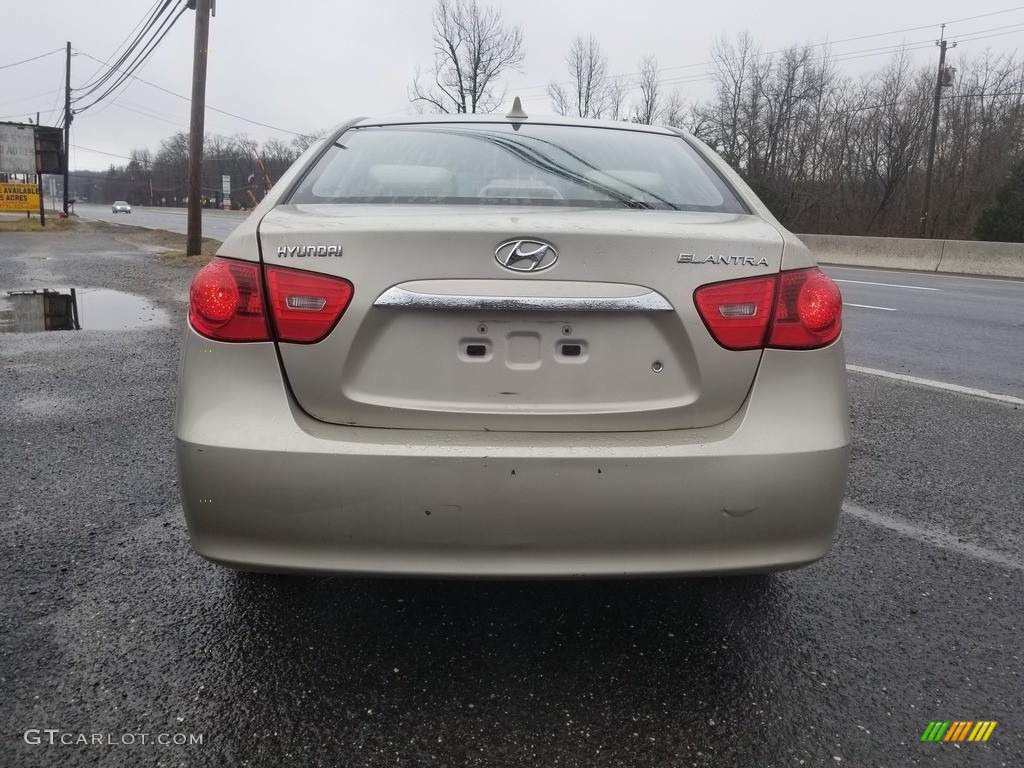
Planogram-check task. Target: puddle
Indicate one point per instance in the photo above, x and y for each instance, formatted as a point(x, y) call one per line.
point(68, 309)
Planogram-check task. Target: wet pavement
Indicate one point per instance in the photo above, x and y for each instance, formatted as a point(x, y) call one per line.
point(112, 628)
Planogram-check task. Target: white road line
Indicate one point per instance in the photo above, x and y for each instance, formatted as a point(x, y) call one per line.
point(939, 539)
point(941, 275)
point(868, 306)
point(1010, 399)
point(888, 285)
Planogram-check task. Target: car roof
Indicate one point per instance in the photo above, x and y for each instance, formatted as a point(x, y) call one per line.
point(499, 118)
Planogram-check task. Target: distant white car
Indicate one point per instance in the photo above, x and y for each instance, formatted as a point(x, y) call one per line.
point(120, 206)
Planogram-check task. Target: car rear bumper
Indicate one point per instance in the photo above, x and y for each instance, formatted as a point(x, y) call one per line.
point(266, 487)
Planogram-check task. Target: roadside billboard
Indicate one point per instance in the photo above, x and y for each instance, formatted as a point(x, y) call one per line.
point(19, 197)
point(17, 148)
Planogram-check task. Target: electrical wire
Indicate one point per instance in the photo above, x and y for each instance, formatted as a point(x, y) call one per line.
point(849, 54)
point(27, 98)
point(211, 108)
point(148, 25)
point(125, 40)
point(140, 59)
point(55, 109)
point(34, 58)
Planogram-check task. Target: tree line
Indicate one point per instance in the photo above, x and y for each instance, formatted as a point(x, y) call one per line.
point(161, 178)
point(827, 152)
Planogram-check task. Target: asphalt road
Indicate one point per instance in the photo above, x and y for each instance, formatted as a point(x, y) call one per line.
point(967, 331)
point(216, 224)
point(113, 629)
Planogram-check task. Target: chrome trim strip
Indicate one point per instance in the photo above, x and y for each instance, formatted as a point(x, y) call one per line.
point(647, 302)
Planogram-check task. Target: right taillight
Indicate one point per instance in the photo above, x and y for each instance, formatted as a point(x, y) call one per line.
point(801, 309)
point(808, 311)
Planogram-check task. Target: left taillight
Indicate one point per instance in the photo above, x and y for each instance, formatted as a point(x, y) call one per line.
point(800, 309)
point(227, 303)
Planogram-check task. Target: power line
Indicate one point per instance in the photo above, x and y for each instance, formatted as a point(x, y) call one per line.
point(846, 55)
point(34, 58)
point(214, 109)
point(125, 40)
point(55, 109)
point(139, 60)
point(985, 37)
point(27, 98)
point(147, 26)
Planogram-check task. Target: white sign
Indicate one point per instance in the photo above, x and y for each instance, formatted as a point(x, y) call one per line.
point(17, 148)
point(226, 188)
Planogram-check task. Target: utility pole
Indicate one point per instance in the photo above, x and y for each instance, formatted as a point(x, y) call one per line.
point(67, 126)
point(39, 176)
point(194, 245)
point(925, 223)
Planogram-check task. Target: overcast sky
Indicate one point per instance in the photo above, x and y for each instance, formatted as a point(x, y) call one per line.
point(308, 64)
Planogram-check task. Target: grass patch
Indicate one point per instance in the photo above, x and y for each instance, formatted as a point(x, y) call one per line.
point(180, 259)
point(53, 224)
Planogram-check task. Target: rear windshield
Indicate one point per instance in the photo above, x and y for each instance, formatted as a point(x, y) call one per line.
point(535, 165)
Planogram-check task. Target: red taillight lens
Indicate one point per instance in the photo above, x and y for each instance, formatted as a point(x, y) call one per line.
point(801, 309)
point(306, 306)
point(808, 311)
point(737, 312)
point(225, 302)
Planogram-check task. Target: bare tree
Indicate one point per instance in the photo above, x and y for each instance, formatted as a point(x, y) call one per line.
point(589, 93)
point(171, 167)
point(618, 89)
point(472, 48)
point(143, 158)
point(304, 141)
point(719, 122)
point(648, 111)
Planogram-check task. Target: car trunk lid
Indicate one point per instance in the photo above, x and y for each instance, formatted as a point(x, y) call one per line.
point(443, 333)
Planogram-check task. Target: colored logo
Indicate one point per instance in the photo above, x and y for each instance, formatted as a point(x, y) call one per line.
point(959, 730)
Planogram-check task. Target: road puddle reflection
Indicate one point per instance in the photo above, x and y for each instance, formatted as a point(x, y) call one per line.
point(70, 309)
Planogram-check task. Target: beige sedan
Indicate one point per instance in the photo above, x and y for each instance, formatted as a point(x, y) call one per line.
point(512, 347)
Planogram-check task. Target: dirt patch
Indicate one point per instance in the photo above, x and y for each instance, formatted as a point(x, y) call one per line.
point(169, 245)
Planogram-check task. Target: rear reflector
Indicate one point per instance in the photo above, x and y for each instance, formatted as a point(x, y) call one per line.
point(306, 306)
point(801, 309)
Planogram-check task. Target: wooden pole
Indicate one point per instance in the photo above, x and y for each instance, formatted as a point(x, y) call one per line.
point(67, 126)
point(194, 244)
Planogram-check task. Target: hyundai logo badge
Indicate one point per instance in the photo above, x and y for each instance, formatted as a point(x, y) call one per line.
point(526, 255)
